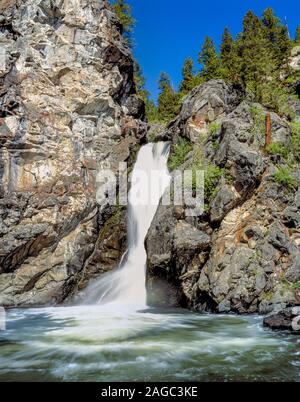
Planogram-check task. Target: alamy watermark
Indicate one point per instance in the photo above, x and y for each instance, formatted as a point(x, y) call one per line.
point(185, 188)
point(2, 319)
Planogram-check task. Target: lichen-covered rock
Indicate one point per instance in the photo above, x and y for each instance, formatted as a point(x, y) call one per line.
point(226, 198)
point(287, 319)
point(205, 104)
point(156, 132)
point(67, 104)
point(251, 260)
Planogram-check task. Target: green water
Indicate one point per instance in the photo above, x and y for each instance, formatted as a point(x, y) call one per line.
point(115, 344)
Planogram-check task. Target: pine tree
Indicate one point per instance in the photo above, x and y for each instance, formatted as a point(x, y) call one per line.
point(271, 23)
point(257, 64)
point(297, 37)
point(168, 100)
point(284, 47)
point(151, 111)
point(277, 36)
point(208, 58)
point(226, 46)
point(229, 57)
point(124, 13)
point(188, 77)
point(140, 82)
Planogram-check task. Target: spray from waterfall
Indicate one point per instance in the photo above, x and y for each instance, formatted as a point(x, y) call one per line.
point(150, 178)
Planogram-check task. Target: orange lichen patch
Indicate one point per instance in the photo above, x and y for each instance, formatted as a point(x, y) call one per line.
point(129, 126)
point(239, 235)
point(286, 231)
point(122, 149)
point(55, 120)
point(59, 188)
point(221, 248)
point(199, 120)
point(26, 181)
point(90, 163)
point(47, 188)
point(268, 130)
point(90, 183)
point(242, 236)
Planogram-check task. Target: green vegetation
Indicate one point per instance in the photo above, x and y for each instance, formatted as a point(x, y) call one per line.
point(189, 78)
point(290, 285)
point(181, 150)
point(276, 148)
point(140, 82)
point(267, 295)
point(124, 13)
point(209, 60)
point(295, 143)
point(297, 36)
point(259, 125)
point(284, 178)
point(168, 100)
point(214, 128)
point(256, 59)
point(278, 40)
point(212, 175)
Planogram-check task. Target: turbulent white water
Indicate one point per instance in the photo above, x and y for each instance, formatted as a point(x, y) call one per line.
point(100, 343)
point(118, 340)
point(150, 178)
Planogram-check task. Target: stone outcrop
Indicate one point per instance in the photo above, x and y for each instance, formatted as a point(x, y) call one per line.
point(242, 253)
point(67, 105)
point(286, 320)
point(176, 249)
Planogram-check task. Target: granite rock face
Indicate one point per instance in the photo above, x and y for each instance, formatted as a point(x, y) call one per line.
point(242, 253)
point(67, 105)
point(287, 320)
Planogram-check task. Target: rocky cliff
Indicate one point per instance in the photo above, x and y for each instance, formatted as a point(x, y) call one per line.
point(67, 104)
point(243, 253)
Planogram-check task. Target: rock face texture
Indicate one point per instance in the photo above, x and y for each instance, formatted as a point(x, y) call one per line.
point(67, 104)
point(242, 253)
point(287, 319)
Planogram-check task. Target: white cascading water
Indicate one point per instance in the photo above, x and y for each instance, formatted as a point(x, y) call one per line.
point(150, 178)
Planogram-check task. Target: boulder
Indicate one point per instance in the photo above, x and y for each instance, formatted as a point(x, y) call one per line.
point(287, 319)
point(175, 251)
point(205, 104)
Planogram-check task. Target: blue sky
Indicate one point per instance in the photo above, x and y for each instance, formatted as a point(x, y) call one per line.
point(168, 31)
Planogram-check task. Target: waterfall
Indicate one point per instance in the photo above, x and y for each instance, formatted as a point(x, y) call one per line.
point(150, 178)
